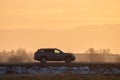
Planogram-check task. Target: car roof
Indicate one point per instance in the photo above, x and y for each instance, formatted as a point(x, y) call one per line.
point(47, 48)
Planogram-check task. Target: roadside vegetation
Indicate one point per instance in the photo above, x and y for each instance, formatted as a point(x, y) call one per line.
point(19, 55)
point(90, 55)
point(60, 76)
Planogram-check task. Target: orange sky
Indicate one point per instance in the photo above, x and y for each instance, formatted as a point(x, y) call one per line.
point(57, 14)
point(64, 15)
point(74, 40)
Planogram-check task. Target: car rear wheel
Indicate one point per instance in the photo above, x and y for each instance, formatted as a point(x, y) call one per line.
point(68, 60)
point(43, 60)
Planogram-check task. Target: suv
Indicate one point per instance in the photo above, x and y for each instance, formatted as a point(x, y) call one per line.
point(53, 54)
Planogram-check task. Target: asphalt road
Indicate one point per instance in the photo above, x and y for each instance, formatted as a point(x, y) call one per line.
point(56, 64)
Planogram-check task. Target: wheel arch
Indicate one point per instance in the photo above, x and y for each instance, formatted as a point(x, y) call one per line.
point(43, 56)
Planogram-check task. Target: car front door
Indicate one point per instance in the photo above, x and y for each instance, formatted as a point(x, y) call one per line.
point(58, 55)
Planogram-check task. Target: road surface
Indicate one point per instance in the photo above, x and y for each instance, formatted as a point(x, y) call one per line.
point(56, 64)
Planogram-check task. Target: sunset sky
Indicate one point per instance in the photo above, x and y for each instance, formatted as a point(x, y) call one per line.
point(99, 19)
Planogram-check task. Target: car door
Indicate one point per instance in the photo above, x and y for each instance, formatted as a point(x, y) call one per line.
point(58, 55)
point(49, 54)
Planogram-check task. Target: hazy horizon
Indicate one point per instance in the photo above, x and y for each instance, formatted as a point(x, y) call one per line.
point(76, 40)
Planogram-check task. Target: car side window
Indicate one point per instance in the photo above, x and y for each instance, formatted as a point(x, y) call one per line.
point(57, 51)
point(48, 51)
point(42, 51)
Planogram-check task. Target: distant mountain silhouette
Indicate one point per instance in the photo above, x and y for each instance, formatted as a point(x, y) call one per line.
point(79, 39)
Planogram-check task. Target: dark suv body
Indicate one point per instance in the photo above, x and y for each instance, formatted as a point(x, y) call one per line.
point(53, 54)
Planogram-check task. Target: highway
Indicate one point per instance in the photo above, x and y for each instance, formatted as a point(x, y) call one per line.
point(58, 64)
point(61, 67)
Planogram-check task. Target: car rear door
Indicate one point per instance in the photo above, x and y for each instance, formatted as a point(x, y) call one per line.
point(49, 54)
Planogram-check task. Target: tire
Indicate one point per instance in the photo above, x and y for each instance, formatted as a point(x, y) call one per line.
point(43, 60)
point(67, 60)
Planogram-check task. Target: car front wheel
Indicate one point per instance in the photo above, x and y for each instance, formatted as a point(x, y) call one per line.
point(43, 60)
point(68, 60)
